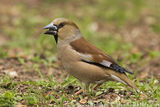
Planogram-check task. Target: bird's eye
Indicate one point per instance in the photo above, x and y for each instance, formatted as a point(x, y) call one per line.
point(61, 25)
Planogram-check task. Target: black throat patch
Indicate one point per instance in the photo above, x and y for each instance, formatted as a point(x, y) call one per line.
point(56, 38)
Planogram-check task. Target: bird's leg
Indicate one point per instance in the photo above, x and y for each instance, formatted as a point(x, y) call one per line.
point(85, 88)
point(78, 92)
point(97, 85)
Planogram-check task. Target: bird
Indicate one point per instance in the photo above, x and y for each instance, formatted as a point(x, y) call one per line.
point(82, 59)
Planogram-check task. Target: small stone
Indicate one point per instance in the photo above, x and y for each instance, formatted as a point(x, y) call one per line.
point(93, 27)
point(13, 74)
point(10, 73)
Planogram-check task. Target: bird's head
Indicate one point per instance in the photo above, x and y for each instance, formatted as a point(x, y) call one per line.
point(62, 29)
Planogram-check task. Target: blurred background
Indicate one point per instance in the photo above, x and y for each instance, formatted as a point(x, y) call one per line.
point(128, 29)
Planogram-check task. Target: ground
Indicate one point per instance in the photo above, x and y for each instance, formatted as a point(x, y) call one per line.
point(30, 74)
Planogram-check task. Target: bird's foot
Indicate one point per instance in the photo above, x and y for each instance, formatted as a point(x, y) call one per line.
point(79, 92)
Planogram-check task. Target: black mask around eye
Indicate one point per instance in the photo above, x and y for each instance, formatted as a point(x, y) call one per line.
point(60, 25)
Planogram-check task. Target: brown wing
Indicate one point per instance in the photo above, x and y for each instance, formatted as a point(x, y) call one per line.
point(83, 46)
point(93, 55)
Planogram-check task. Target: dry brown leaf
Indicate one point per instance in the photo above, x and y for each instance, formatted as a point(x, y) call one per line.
point(112, 97)
point(123, 101)
point(143, 96)
point(20, 105)
point(83, 101)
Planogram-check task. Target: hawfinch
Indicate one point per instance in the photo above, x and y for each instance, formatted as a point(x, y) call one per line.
point(82, 59)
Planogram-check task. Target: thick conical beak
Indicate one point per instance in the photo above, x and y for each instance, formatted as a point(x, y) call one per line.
point(52, 29)
point(51, 26)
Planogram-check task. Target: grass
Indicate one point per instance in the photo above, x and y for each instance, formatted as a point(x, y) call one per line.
point(44, 92)
point(34, 54)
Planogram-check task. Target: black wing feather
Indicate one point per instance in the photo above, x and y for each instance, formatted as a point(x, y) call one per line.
point(118, 68)
point(114, 67)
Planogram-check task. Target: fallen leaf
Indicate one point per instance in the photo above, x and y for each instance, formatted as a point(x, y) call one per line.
point(112, 97)
point(20, 105)
point(1, 68)
point(83, 101)
point(123, 101)
point(143, 96)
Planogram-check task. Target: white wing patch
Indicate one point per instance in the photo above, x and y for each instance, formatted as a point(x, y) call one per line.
point(106, 63)
point(118, 79)
point(86, 57)
point(89, 58)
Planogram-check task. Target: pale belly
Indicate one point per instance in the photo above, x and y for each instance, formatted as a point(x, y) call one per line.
point(83, 71)
point(86, 72)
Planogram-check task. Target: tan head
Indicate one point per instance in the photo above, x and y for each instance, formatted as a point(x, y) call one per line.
point(62, 29)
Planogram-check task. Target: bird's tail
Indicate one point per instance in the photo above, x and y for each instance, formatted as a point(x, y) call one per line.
point(124, 78)
point(121, 77)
